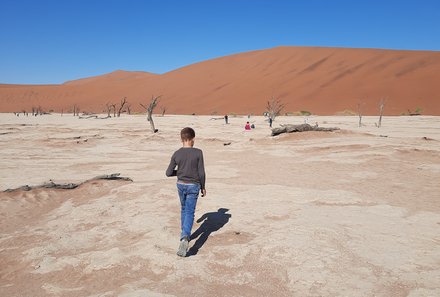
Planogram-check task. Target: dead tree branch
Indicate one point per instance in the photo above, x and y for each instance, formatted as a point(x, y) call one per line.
point(68, 186)
point(299, 128)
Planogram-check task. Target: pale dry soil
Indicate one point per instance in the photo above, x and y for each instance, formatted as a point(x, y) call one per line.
point(354, 212)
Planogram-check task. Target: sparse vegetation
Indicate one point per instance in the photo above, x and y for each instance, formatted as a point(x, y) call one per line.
point(417, 111)
point(305, 113)
point(346, 112)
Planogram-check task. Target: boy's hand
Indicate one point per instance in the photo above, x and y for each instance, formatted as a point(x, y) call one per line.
point(203, 192)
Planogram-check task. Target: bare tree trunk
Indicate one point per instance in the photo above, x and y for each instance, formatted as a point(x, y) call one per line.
point(109, 109)
point(150, 109)
point(114, 109)
point(381, 107)
point(121, 106)
point(129, 108)
point(150, 119)
point(75, 110)
point(360, 114)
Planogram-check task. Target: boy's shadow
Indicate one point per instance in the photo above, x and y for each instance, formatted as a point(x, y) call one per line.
point(213, 221)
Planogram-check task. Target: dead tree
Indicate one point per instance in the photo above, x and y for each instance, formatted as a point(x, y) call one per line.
point(109, 109)
point(121, 106)
point(274, 107)
point(300, 128)
point(360, 113)
point(128, 108)
point(114, 109)
point(381, 107)
point(75, 110)
point(149, 109)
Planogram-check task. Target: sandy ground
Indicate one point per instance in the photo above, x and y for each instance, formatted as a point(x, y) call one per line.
point(348, 213)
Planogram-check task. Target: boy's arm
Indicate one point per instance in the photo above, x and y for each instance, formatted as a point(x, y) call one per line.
point(171, 171)
point(201, 170)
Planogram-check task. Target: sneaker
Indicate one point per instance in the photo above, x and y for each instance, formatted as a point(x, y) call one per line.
point(183, 247)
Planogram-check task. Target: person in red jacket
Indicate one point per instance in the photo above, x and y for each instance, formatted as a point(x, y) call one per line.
point(248, 126)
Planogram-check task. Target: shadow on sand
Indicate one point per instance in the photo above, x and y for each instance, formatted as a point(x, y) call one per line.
point(212, 221)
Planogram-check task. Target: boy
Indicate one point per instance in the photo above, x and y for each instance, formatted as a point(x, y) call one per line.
point(190, 174)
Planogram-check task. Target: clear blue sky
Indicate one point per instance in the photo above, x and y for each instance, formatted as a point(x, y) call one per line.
point(45, 41)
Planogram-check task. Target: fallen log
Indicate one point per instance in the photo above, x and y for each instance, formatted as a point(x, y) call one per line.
point(88, 117)
point(289, 128)
point(69, 186)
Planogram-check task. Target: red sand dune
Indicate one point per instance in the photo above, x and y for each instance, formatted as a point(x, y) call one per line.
point(319, 80)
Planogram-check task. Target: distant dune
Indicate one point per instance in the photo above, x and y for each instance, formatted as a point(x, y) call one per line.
point(324, 81)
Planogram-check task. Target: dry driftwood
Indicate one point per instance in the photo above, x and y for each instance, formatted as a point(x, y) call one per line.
point(69, 186)
point(88, 117)
point(299, 128)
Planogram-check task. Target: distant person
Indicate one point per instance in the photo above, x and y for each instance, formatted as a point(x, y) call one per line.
point(247, 126)
point(190, 174)
point(226, 119)
point(270, 122)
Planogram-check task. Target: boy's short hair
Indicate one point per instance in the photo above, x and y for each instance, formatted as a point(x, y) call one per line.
point(187, 133)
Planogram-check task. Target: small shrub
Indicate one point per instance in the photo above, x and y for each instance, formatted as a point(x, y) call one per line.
point(305, 113)
point(346, 112)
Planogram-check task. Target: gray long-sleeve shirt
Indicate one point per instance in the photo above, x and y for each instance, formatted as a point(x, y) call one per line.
point(190, 166)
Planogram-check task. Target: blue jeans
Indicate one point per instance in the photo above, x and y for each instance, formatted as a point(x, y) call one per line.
point(188, 194)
